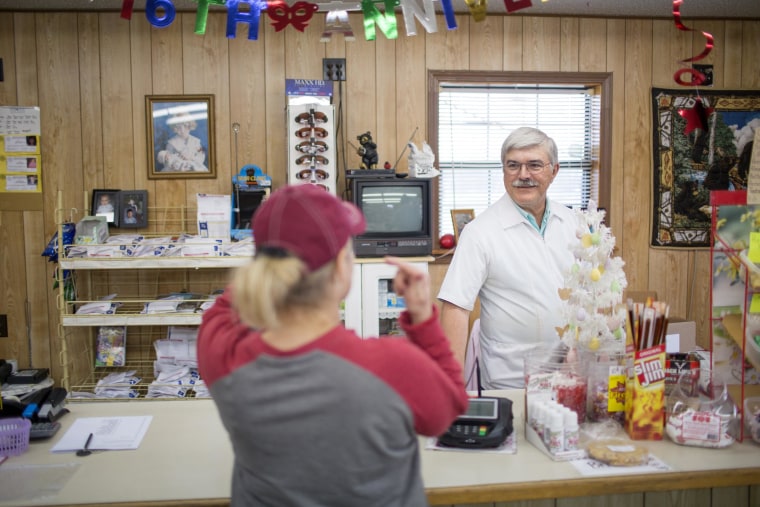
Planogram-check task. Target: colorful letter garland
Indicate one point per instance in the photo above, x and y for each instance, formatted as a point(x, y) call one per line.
point(161, 13)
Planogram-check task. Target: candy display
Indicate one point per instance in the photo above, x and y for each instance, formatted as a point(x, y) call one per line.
point(548, 378)
point(606, 387)
point(571, 393)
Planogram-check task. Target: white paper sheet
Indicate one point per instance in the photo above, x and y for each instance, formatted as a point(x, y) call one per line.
point(591, 467)
point(108, 433)
point(214, 216)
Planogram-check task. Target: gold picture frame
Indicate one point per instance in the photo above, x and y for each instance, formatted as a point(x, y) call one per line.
point(180, 132)
point(460, 218)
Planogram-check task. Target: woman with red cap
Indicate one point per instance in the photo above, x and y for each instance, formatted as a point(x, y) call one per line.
point(316, 415)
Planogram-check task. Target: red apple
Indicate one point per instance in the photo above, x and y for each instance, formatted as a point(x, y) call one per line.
point(447, 241)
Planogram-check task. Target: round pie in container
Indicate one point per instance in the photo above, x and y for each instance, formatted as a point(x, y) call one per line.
point(618, 452)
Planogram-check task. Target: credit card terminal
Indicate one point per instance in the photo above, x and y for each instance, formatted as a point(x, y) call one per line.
point(486, 423)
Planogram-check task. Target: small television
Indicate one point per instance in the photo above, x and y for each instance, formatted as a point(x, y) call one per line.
point(398, 213)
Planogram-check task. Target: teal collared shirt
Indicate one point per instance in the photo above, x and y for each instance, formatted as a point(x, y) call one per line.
point(531, 219)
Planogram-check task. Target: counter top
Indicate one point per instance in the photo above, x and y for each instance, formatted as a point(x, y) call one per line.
point(185, 460)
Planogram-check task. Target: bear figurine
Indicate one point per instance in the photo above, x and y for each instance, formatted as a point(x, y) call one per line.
point(368, 151)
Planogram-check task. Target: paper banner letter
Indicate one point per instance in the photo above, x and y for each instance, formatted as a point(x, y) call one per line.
point(425, 13)
point(298, 15)
point(126, 9)
point(151, 9)
point(201, 14)
point(448, 13)
point(477, 9)
point(336, 22)
point(516, 5)
point(386, 22)
point(234, 16)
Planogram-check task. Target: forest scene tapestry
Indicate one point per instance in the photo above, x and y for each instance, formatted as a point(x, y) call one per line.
point(702, 142)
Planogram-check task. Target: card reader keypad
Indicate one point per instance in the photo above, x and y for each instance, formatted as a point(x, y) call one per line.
point(471, 429)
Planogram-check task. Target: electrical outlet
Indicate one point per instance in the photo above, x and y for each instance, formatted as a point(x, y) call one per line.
point(3, 326)
point(707, 71)
point(334, 69)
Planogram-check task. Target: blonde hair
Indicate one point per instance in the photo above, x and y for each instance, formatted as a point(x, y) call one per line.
point(268, 288)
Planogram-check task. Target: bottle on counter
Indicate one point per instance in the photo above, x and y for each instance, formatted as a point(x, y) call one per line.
point(555, 432)
point(571, 433)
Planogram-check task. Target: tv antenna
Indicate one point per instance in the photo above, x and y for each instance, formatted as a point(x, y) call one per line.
point(405, 147)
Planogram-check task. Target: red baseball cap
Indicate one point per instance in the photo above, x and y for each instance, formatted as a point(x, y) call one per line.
point(308, 222)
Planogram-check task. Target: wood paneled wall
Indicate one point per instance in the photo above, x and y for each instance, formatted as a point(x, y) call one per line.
point(90, 72)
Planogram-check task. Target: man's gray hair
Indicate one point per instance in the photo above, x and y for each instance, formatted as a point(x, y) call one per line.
point(529, 137)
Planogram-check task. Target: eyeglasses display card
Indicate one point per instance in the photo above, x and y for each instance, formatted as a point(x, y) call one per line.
point(311, 145)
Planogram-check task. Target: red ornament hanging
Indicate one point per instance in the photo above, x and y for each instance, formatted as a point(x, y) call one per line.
point(696, 78)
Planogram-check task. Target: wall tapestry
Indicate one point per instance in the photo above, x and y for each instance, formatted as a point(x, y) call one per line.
point(702, 142)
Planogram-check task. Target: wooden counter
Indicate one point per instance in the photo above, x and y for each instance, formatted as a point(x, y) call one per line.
point(186, 460)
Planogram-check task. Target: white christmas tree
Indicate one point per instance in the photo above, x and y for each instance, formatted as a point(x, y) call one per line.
point(593, 291)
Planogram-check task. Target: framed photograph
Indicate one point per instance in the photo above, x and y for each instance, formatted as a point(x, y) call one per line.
point(105, 202)
point(460, 218)
point(134, 209)
point(180, 136)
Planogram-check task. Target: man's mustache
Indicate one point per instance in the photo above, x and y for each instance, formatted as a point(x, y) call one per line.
point(524, 183)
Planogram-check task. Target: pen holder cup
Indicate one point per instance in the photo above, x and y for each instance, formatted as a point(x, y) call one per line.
point(14, 436)
point(550, 377)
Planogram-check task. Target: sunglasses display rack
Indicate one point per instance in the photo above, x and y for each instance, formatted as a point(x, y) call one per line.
point(311, 145)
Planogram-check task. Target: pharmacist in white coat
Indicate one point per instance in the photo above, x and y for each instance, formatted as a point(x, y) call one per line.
point(513, 257)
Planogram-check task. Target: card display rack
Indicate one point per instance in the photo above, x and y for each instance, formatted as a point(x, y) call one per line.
point(133, 283)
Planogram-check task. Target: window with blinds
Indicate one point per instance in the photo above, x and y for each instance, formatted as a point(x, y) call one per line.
point(473, 121)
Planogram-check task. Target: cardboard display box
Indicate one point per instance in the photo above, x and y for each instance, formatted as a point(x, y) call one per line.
point(681, 336)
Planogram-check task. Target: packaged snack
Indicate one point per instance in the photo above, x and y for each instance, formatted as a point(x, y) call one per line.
point(677, 364)
point(618, 452)
point(112, 342)
point(645, 394)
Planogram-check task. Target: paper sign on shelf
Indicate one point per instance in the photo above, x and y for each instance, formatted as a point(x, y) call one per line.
point(753, 253)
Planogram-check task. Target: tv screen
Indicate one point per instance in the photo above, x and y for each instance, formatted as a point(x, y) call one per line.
point(392, 209)
point(398, 214)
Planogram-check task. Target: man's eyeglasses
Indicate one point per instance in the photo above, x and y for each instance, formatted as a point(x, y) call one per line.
point(533, 166)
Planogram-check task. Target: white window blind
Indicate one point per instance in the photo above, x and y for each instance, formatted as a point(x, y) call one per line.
point(474, 120)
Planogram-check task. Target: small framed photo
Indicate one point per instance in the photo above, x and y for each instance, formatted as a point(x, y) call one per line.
point(105, 203)
point(134, 209)
point(460, 218)
point(180, 132)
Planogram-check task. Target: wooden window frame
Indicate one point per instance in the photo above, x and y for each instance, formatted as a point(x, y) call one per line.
point(602, 80)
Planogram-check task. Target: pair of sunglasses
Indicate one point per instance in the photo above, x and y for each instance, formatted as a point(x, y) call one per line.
point(312, 160)
point(312, 146)
point(311, 118)
point(313, 174)
point(311, 132)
